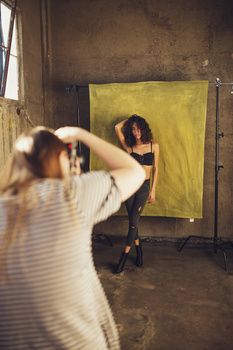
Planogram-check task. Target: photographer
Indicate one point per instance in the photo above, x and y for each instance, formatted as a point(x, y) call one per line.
point(50, 294)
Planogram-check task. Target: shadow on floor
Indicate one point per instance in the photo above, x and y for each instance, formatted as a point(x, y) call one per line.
point(177, 301)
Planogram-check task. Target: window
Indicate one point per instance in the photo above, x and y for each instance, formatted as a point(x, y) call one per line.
point(9, 76)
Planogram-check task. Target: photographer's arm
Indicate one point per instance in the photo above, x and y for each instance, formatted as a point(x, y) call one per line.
point(127, 173)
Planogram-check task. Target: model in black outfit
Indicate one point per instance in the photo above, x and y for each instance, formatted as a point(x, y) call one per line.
point(136, 138)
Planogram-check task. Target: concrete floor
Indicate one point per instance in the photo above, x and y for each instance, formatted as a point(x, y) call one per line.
point(177, 301)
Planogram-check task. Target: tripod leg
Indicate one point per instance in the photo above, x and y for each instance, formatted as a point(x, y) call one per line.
point(216, 247)
point(225, 260)
point(184, 243)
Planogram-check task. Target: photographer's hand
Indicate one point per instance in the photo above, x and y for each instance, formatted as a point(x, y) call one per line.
point(68, 134)
point(128, 173)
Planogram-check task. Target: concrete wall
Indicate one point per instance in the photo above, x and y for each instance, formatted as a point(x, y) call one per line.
point(31, 23)
point(137, 40)
point(30, 13)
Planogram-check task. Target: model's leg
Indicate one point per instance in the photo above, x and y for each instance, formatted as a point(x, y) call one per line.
point(125, 253)
point(134, 210)
point(140, 202)
point(134, 207)
point(129, 204)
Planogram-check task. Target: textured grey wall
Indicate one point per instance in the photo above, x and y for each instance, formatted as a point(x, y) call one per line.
point(31, 60)
point(31, 87)
point(137, 40)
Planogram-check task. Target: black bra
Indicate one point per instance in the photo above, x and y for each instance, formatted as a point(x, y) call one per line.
point(144, 159)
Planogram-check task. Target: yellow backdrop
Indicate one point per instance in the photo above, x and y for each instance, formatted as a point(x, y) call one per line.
point(176, 113)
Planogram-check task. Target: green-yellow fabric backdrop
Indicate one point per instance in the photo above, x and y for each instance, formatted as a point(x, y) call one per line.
point(176, 113)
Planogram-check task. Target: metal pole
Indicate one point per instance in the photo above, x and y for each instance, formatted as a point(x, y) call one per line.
point(218, 166)
point(218, 84)
point(78, 115)
point(10, 34)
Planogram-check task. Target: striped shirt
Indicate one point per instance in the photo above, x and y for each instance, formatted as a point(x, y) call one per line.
point(52, 297)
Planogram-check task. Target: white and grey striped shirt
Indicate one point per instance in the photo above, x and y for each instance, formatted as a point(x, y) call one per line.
point(52, 298)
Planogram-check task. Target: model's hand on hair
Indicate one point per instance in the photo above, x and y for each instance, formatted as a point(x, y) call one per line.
point(68, 133)
point(151, 197)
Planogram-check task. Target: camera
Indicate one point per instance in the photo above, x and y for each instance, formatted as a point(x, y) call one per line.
point(75, 157)
point(73, 150)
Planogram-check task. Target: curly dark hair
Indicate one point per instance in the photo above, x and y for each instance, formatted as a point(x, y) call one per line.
point(142, 125)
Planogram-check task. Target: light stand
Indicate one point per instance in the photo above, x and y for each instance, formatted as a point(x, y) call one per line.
point(215, 240)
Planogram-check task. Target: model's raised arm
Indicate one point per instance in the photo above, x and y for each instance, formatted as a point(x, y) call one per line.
point(128, 174)
point(120, 135)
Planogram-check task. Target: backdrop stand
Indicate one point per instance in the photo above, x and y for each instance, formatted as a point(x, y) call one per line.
point(218, 243)
point(75, 88)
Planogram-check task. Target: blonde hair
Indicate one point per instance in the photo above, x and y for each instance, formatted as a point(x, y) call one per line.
point(34, 154)
point(31, 159)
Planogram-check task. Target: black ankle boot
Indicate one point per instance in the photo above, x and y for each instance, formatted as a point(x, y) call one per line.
point(139, 258)
point(121, 263)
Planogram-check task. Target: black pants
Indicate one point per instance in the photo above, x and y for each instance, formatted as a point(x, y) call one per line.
point(134, 206)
